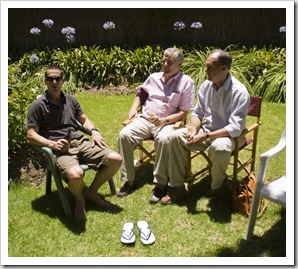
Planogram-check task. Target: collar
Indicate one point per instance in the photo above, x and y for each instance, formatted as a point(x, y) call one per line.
point(46, 100)
point(226, 84)
point(177, 77)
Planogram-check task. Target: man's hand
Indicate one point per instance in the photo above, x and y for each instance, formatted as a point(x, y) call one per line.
point(132, 114)
point(61, 145)
point(97, 139)
point(195, 139)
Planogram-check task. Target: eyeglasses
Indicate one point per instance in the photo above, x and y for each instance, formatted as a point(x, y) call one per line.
point(51, 79)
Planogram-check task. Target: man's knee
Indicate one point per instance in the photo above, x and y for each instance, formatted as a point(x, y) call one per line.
point(75, 173)
point(221, 145)
point(114, 158)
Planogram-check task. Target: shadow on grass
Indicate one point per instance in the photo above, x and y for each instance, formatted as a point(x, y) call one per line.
point(51, 206)
point(271, 244)
point(143, 176)
point(200, 189)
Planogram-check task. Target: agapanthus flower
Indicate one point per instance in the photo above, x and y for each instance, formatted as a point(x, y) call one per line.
point(69, 33)
point(179, 25)
point(48, 23)
point(34, 58)
point(109, 25)
point(282, 29)
point(35, 31)
point(197, 25)
point(68, 30)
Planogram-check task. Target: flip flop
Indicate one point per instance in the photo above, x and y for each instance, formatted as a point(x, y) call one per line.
point(146, 235)
point(127, 236)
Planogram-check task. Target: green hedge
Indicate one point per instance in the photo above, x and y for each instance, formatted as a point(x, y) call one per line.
point(263, 71)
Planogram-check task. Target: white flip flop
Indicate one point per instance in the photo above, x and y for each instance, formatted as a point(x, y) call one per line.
point(127, 236)
point(146, 235)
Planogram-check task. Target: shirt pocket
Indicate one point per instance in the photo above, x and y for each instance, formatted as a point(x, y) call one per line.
point(174, 100)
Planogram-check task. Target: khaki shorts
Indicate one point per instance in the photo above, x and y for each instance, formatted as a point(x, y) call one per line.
point(81, 152)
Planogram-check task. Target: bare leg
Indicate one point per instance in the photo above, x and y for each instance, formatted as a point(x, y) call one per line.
point(104, 173)
point(75, 176)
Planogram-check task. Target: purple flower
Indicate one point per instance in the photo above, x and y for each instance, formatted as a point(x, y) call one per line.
point(282, 29)
point(68, 30)
point(35, 31)
point(197, 25)
point(69, 33)
point(48, 23)
point(109, 25)
point(179, 25)
point(34, 58)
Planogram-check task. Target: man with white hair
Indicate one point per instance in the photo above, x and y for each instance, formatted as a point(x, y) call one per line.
point(169, 96)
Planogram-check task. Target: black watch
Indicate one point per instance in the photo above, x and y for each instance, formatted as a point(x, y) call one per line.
point(94, 129)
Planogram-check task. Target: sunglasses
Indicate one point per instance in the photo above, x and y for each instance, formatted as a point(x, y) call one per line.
point(51, 79)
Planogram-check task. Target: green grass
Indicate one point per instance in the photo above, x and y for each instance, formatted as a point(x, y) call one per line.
point(37, 226)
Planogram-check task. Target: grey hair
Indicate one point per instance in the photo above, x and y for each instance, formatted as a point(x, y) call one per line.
point(176, 52)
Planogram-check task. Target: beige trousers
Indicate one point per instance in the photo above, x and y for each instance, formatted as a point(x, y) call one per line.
point(220, 151)
point(139, 130)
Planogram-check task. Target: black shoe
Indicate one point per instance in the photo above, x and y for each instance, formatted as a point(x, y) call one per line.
point(125, 189)
point(157, 194)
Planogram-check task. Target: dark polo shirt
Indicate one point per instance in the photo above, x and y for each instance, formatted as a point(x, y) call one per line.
point(53, 121)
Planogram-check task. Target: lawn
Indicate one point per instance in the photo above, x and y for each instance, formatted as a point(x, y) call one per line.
point(190, 229)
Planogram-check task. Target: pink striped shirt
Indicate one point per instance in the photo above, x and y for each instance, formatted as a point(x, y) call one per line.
point(170, 98)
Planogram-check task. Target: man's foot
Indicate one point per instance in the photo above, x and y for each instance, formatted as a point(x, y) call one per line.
point(157, 194)
point(173, 195)
point(218, 194)
point(95, 198)
point(80, 212)
point(126, 189)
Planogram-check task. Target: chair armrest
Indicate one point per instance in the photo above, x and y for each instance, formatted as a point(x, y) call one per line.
point(277, 149)
point(248, 130)
point(178, 124)
point(127, 121)
point(266, 156)
point(48, 153)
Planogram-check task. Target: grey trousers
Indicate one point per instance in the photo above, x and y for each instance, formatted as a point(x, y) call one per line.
point(220, 151)
point(139, 130)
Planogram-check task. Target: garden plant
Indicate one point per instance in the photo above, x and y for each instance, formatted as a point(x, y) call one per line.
point(188, 229)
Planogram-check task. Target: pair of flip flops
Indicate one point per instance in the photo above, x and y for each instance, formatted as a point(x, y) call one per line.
point(146, 235)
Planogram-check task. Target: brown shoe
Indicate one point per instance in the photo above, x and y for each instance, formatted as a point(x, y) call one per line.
point(174, 194)
point(217, 194)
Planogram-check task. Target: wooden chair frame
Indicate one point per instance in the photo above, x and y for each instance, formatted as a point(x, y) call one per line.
point(238, 163)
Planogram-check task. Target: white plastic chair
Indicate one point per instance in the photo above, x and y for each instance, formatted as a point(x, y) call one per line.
point(274, 191)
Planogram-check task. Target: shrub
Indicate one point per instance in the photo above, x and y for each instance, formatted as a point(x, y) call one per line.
point(263, 71)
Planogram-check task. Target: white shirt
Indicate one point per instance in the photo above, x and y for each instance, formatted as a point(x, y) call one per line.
point(226, 107)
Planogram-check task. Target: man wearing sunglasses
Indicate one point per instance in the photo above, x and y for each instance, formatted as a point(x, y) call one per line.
point(50, 119)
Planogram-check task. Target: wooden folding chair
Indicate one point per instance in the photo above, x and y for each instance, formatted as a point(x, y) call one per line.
point(52, 171)
point(250, 134)
point(251, 138)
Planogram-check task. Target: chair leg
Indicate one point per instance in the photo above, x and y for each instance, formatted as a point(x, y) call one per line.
point(48, 181)
point(253, 214)
point(112, 186)
point(63, 196)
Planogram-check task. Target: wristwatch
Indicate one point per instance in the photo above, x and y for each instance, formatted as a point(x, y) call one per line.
point(167, 120)
point(207, 137)
point(94, 129)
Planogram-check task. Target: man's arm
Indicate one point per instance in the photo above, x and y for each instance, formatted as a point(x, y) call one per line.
point(36, 139)
point(97, 138)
